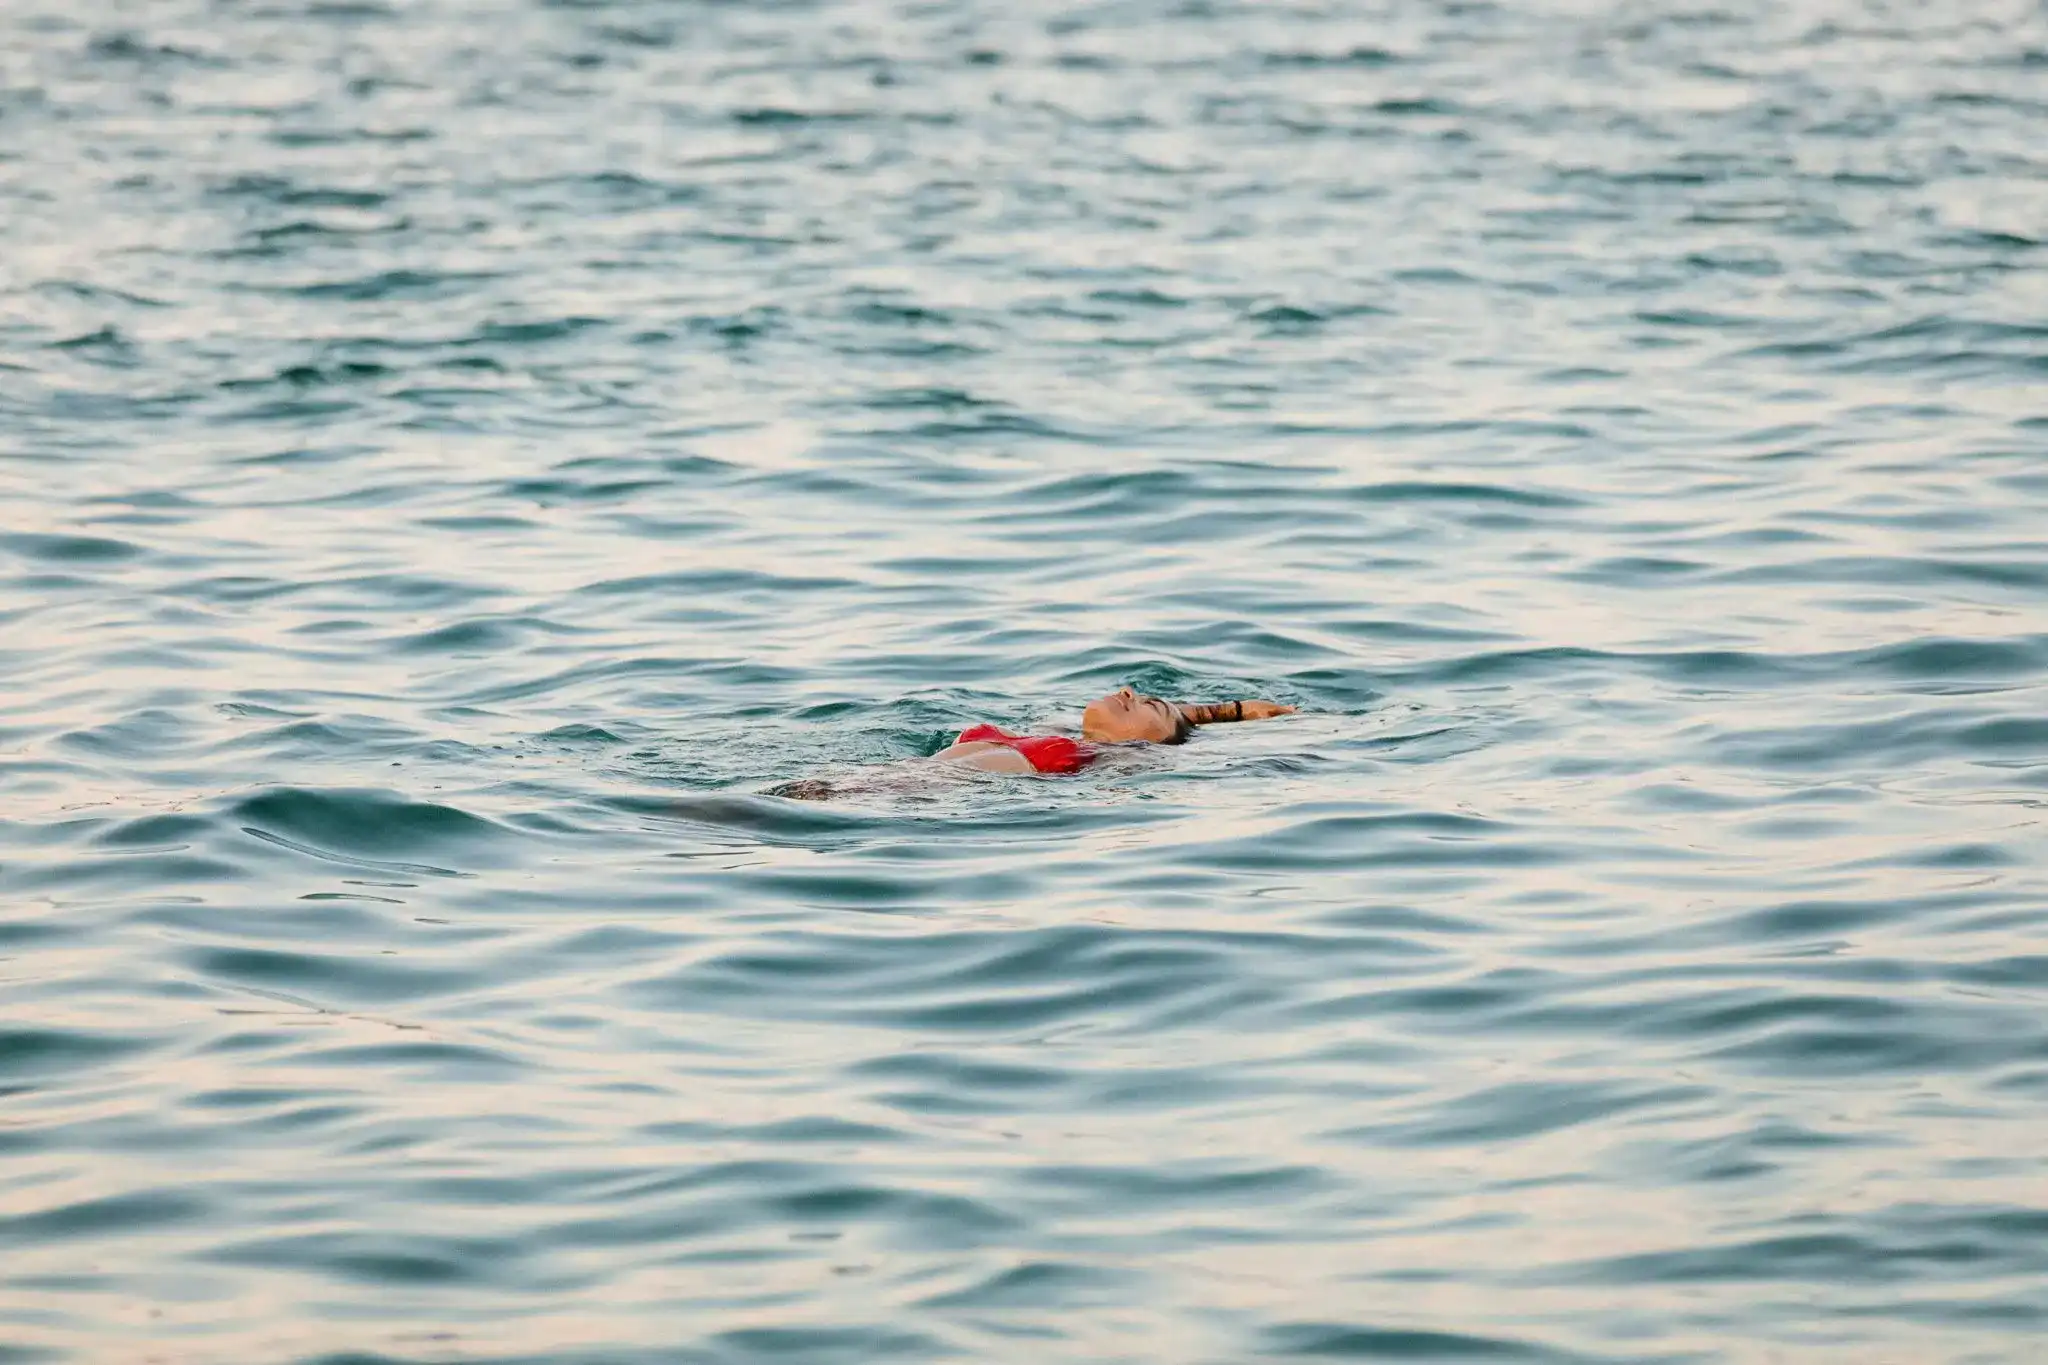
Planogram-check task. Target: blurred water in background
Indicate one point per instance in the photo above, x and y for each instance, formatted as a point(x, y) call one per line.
point(454, 453)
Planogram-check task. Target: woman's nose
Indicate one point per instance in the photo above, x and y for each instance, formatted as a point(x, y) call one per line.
point(1125, 693)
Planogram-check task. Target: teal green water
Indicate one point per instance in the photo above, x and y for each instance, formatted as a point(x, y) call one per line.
point(455, 455)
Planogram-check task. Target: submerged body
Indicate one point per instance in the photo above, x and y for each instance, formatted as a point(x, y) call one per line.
point(1122, 717)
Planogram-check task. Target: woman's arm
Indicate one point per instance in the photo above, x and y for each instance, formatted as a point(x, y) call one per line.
point(1220, 712)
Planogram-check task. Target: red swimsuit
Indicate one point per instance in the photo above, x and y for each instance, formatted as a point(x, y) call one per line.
point(1047, 753)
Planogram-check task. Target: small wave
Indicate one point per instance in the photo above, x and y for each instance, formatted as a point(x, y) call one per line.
point(392, 284)
point(1333, 1341)
point(291, 194)
point(59, 548)
point(344, 822)
point(1360, 56)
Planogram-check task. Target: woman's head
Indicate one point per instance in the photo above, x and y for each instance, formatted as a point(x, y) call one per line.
point(1126, 715)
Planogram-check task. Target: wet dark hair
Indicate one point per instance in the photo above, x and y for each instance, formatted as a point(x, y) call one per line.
point(1182, 726)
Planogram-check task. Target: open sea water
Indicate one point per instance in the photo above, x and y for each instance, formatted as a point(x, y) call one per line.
point(455, 455)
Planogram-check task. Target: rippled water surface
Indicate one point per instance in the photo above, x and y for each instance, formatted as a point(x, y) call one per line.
point(456, 455)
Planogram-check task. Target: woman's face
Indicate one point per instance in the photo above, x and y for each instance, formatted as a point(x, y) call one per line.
point(1125, 715)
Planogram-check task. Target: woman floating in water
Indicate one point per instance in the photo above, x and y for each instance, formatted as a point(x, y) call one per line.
point(1122, 717)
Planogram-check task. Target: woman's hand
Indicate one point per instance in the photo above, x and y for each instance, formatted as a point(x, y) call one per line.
point(1264, 710)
